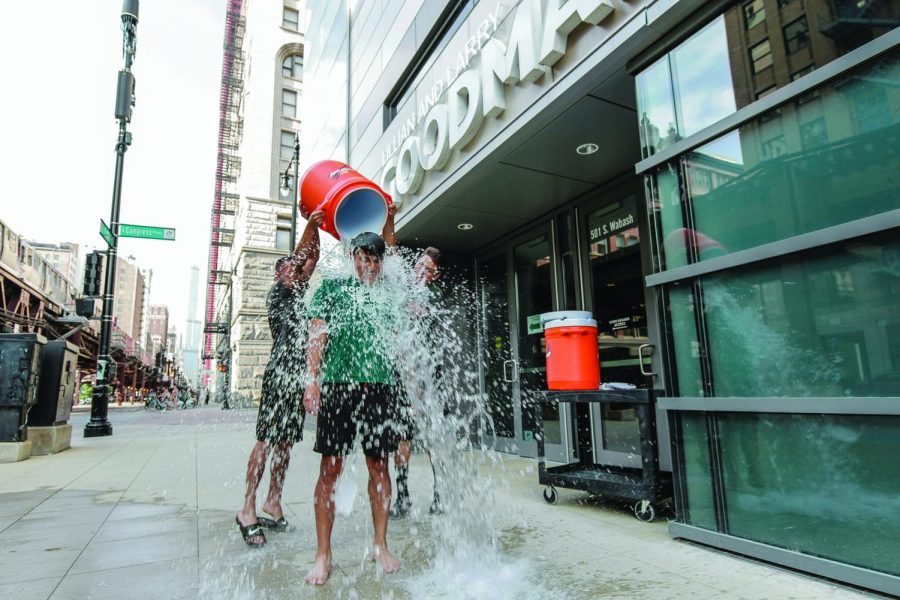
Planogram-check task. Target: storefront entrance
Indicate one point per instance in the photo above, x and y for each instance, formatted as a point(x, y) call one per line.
point(600, 268)
point(615, 294)
point(516, 287)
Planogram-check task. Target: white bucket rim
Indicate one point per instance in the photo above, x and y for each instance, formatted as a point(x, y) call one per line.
point(565, 314)
point(557, 323)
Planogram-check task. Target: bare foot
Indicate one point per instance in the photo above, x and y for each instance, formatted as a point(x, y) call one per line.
point(383, 557)
point(273, 509)
point(321, 571)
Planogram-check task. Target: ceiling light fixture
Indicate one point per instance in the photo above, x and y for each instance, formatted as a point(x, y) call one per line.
point(465, 226)
point(586, 149)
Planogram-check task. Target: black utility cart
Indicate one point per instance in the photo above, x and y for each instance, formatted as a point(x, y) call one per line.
point(645, 486)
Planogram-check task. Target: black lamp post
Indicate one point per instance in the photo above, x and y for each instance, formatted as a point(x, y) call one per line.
point(286, 187)
point(99, 425)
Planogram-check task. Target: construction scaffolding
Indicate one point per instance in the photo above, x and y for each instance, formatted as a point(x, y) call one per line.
point(228, 167)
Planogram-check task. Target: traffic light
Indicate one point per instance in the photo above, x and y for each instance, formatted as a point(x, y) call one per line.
point(93, 267)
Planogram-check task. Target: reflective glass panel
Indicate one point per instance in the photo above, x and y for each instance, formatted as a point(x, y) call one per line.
point(733, 61)
point(821, 324)
point(697, 472)
point(826, 159)
point(826, 485)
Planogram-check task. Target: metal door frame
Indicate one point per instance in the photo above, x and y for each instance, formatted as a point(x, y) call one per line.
point(517, 445)
point(615, 192)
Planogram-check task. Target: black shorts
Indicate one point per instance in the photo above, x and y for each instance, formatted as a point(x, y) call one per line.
point(357, 411)
point(281, 415)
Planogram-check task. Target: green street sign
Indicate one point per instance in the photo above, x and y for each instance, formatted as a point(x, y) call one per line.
point(106, 233)
point(147, 232)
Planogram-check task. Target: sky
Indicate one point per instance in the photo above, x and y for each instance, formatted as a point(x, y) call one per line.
point(58, 130)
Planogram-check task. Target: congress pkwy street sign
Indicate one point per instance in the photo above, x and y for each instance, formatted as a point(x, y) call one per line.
point(147, 232)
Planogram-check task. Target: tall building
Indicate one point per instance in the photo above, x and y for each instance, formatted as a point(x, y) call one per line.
point(63, 257)
point(192, 330)
point(714, 181)
point(157, 329)
point(260, 115)
point(130, 298)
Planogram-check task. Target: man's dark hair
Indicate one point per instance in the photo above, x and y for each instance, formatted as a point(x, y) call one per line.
point(434, 254)
point(370, 243)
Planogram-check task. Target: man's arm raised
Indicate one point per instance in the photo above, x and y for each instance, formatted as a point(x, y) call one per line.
point(387, 233)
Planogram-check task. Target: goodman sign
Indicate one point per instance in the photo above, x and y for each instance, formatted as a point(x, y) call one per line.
point(451, 115)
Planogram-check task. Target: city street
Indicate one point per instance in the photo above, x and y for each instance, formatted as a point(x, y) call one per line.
point(149, 513)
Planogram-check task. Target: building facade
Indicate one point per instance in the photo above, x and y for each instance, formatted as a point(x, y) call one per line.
point(715, 181)
point(158, 328)
point(267, 66)
point(193, 329)
point(131, 295)
point(64, 258)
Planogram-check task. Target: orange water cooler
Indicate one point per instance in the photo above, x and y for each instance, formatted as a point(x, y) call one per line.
point(573, 354)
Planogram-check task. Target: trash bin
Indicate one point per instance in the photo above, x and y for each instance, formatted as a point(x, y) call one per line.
point(56, 384)
point(20, 355)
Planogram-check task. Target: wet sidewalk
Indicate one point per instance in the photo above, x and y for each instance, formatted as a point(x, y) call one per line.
point(149, 513)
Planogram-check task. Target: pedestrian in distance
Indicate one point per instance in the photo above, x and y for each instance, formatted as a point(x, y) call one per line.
point(280, 420)
point(351, 390)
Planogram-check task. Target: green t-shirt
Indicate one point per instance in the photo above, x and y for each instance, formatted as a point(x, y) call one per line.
point(361, 326)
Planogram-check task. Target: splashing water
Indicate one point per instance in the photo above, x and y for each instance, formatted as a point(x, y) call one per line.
point(428, 336)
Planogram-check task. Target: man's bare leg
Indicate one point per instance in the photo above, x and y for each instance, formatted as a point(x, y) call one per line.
point(380, 499)
point(281, 458)
point(329, 470)
point(255, 467)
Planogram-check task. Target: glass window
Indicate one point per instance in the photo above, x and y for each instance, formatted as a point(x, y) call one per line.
point(290, 19)
point(804, 71)
point(761, 56)
point(824, 485)
point(617, 290)
point(292, 66)
point(796, 35)
point(287, 145)
point(683, 323)
point(820, 324)
point(700, 508)
point(707, 78)
point(814, 133)
point(702, 79)
point(816, 165)
point(656, 104)
point(426, 60)
point(289, 104)
point(754, 13)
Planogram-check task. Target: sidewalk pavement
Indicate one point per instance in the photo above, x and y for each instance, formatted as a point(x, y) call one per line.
point(149, 513)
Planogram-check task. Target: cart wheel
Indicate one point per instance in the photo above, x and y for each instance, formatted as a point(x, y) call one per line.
point(644, 511)
point(550, 495)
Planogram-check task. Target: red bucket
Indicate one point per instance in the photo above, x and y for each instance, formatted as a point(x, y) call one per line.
point(573, 355)
point(353, 204)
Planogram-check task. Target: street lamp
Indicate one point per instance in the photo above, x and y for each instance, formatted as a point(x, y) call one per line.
point(99, 425)
point(286, 187)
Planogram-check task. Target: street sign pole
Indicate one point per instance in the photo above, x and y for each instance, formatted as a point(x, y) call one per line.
point(99, 424)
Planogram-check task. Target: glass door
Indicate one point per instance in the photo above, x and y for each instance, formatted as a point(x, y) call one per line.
point(617, 301)
point(516, 287)
point(497, 361)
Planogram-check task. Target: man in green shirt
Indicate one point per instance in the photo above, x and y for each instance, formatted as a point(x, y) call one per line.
point(352, 391)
